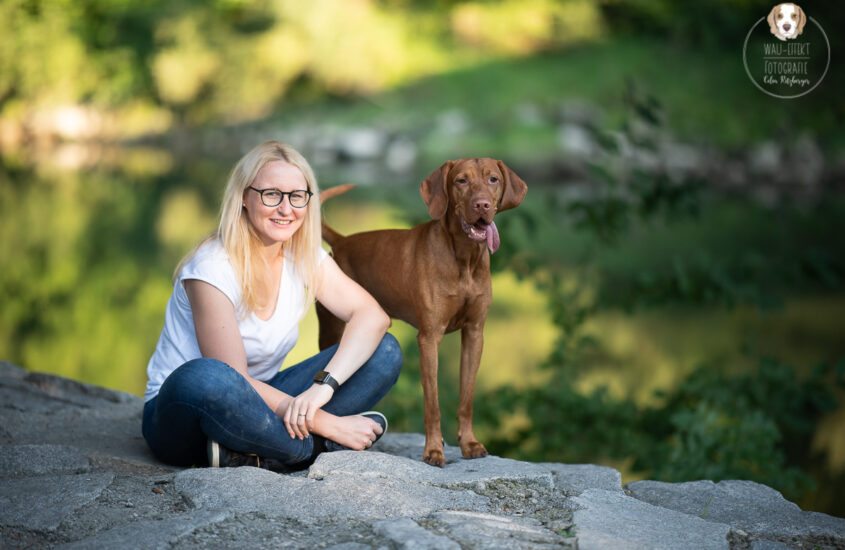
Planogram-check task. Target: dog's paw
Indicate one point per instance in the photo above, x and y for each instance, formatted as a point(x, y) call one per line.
point(435, 458)
point(473, 449)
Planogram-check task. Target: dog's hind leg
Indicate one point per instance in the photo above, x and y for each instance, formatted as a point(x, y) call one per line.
point(331, 328)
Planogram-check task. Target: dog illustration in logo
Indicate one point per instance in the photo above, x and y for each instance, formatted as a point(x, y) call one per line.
point(786, 21)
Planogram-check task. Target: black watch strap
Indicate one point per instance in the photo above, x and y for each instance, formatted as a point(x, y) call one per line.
point(323, 377)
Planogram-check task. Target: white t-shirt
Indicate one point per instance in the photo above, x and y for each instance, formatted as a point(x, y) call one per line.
point(266, 342)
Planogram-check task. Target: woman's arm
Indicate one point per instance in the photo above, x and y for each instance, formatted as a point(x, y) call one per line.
point(366, 325)
point(218, 336)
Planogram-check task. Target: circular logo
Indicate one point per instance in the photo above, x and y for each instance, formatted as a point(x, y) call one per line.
point(786, 54)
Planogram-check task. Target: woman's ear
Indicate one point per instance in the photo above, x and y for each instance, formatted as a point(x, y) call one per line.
point(434, 192)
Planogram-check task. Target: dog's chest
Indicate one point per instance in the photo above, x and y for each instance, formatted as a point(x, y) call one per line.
point(468, 314)
point(467, 301)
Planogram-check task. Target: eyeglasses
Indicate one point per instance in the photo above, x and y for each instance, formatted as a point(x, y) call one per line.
point(274, 197)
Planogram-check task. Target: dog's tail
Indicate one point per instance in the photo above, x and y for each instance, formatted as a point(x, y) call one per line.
point(331, 192)
point(330, 235)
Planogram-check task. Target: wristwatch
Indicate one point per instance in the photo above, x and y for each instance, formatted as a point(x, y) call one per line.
point(323, 377)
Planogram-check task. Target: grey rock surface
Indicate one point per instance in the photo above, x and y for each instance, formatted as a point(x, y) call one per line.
point(39, 460)
point(42, 503)
point(462, 473)
point(610, 520)
point(76, 473)
point(407, 534)
point(769, 545)
point(147, 534)
point(250, 489)
point(574, 479)
point(481, 531)
point(751, 507)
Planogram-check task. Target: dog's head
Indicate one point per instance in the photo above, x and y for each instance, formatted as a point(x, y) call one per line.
point(474, 190)
point(786, 21)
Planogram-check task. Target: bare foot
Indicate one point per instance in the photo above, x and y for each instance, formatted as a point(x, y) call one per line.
point(356, 432)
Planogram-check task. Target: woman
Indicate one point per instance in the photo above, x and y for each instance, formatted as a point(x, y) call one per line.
point(214, 391)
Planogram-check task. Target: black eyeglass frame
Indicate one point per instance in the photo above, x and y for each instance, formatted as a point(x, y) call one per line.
point(282, 196)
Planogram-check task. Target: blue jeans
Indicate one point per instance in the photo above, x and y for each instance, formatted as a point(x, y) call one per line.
point(207, 399)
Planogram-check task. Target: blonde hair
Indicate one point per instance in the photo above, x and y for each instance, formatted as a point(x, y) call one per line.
point(242, 243)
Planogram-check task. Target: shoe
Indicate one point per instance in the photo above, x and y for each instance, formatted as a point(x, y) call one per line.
point(221, 457)
point(375, 416)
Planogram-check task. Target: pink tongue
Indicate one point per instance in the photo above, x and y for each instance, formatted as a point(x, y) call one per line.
point(492, 237)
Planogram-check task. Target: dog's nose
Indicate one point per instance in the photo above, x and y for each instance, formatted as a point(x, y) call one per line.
point(482, 206)
point(786, 27)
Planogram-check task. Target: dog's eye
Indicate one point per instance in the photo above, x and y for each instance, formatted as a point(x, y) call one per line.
point(493, 180)
point(461, 180)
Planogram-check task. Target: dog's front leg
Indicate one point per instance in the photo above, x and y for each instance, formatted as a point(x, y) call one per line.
point(429, 343)
point(472, 343)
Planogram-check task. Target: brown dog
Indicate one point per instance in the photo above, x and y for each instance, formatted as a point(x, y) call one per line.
point(435, 276)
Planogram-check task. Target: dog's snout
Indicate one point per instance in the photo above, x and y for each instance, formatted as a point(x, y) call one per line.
point(482, 205)
point(786, 27)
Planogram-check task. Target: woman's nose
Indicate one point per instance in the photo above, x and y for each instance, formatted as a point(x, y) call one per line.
point(284, 206)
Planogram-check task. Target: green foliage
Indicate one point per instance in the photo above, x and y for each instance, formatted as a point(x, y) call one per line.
point(726, 19)
point(755, 425)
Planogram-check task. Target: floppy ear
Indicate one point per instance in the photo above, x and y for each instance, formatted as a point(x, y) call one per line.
point(515, 188)
point(802, 20)
point(433, 191)
point(771, 19)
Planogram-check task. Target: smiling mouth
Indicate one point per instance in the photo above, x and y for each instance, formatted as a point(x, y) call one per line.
point(281, 222)
point(482, 231)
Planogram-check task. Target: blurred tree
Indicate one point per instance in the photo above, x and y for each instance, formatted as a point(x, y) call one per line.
point(239, 59)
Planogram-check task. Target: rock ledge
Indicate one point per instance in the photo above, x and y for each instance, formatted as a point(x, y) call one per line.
point(75, 473)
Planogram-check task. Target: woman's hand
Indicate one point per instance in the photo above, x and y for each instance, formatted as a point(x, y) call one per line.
point(299, 417)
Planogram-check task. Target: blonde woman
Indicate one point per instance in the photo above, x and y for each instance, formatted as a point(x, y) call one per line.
point(215, 393)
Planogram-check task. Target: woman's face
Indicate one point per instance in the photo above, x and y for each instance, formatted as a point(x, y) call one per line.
point(275, 224)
